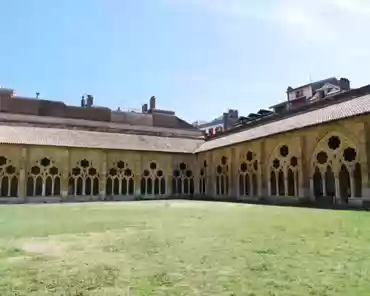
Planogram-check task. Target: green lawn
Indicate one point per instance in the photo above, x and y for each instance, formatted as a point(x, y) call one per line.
point(182, 248)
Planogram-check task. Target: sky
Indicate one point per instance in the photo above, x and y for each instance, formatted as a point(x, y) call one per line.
point(198, 57)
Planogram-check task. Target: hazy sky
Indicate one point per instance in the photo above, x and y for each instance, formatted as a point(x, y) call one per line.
point(198, 57)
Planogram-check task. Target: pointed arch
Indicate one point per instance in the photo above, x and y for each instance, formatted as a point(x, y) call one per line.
point(182, 178)
point(8, 178)
point(43, 178)
point(285, 164)
point(337, 155)
point(85, 179)
point(152, 180)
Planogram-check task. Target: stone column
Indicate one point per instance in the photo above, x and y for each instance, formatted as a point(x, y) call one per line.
point(337, 190)
point(263, 178)
point(103, 175)
point(64, 180)
point(323, 180)
point(286, 183)
point(233, 171)
point(312, 195)
point(211, 183)
point(196, 174)
point(138, 167)
point(169, 176)
point(22, 184)
point(296, 183)
point(364, 162)
point(277, 184)
point(304, 175)
point(353, 184)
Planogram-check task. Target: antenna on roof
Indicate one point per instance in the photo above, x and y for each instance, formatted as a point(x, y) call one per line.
point(37, 95)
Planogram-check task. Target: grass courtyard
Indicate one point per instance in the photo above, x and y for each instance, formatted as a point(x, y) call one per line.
point(182, 248)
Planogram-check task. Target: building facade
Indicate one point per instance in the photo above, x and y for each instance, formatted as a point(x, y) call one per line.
point(219, 124)
point(316, 155)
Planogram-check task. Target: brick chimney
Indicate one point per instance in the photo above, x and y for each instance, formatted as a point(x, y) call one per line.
point(344, 84)
point(225, 118)
point(144, 108)
point(89, 101)
point(152, 103)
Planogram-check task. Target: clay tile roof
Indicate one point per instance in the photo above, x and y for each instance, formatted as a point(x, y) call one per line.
point(352, 107)
point(91, 139)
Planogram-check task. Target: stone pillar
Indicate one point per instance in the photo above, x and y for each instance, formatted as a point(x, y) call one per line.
point(352, 183)
point(312, 195)
point(364, 162)
point(323, 180)
point(64, 180)
point(263, 177)
point(286, 184)
point(138, 167)
point(103, 175)
point(211, 183)
point(296, 183)
point(337, 190)
point(169, 176)
point(22, 184)
point(196, 174)
point(304, 174)
point(233, 172)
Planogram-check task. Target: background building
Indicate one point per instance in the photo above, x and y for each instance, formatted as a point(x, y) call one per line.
point(219, 124)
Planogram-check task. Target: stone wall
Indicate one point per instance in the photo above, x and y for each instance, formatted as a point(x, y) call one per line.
point(325, 163)
point(289, 166)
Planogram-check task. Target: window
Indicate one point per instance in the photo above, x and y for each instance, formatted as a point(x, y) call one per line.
point(299, 93)
point(218, 129)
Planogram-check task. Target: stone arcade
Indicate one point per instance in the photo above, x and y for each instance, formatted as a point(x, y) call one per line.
point(51, 152)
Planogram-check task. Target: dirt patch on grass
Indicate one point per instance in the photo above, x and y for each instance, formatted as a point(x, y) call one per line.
point(44, 247)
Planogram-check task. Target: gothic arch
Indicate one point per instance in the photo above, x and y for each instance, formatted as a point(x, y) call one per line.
point(222, 177)
point(9, 177)
point(43, 178)
point(337, 159)
point(183, 180)
point(120, 180)
point(153, 181)
point(248, 174)
point(84, 179)
point(283, 171)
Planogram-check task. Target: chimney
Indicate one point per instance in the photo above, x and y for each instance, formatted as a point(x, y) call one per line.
point(225, 117)
point(37, 95)
point(89, 101)
point(320, 95)
point(233, 114)
point(83, 102)
point(152, 103)
point(344, 84)
point(144, 108)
